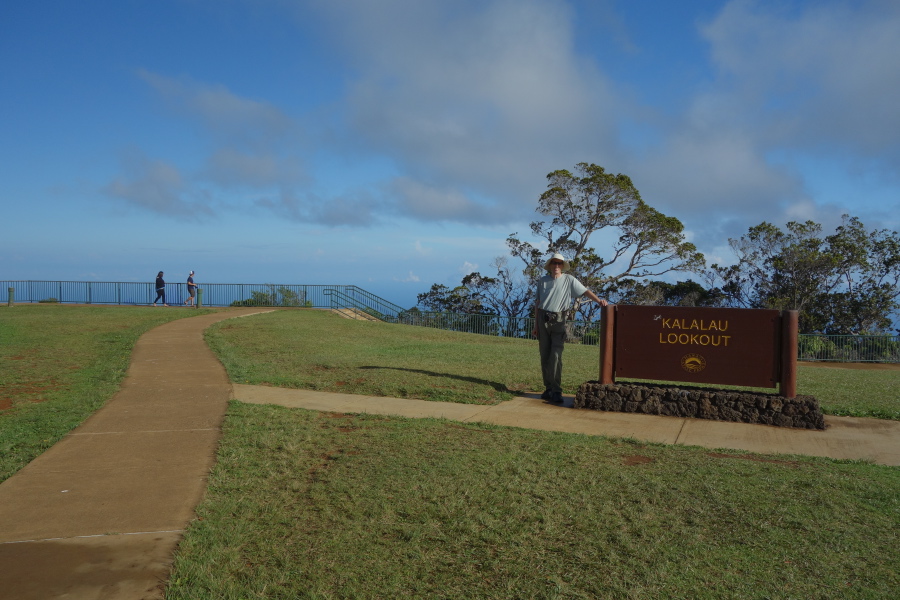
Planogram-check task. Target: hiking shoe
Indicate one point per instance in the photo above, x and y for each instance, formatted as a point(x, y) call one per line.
point(556, 397)
point(546, 395)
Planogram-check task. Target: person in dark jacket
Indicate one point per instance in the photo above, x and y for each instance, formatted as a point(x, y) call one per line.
point(160, 289)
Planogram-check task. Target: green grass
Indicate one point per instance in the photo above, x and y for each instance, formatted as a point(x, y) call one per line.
point(319, 505)
point(58, 364)
point(321, 351)
point(855, 393)
point(304, 504)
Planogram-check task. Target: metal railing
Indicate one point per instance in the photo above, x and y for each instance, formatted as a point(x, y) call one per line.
point(339, 300)
point(849, 348)
point(214, 294)
point(832, 348)
point(86, 292)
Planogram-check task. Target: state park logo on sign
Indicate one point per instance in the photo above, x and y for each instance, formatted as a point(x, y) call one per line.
point(693, 363)
point(702, 345)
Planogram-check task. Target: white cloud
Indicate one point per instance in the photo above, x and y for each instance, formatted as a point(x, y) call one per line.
point(809, 86)
point(158, 187)
point(420, 201)
point(231, 166)
point(352, 210)
point(473, 102)
point(225, 115)
point(411, 278)
point(468, 267)
point(827, 74)
point(476, 101)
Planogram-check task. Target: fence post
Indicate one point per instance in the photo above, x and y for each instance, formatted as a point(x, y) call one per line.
point(12, 297)
point(199, 297)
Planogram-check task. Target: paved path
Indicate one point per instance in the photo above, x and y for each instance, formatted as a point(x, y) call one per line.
point(99, 515)
point(845, 438)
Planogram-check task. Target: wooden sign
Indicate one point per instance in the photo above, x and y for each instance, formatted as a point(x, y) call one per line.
point(730, 346)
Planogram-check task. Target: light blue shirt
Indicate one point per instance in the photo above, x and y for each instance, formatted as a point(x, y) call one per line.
point(556, 295)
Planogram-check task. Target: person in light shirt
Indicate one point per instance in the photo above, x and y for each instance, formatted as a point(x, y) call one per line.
point(555, 293)
point(191, 288)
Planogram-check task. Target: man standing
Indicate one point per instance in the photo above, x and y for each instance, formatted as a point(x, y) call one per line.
point(555, 293)
point(191, 288)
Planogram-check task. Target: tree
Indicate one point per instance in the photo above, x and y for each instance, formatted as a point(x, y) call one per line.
point(280, 296)
point(460, 299)
point(646, 243)
point(661, 293)
point(649, 243)
point(847, 282)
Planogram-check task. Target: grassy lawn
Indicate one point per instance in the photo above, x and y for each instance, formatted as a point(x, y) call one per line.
point(321, 351)
point(857, 393)
point(58, 364)
point(303, 504)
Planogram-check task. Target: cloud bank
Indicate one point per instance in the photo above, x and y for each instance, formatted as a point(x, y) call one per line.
point(473, 103)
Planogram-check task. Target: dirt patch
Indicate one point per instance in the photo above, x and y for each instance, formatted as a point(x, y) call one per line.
point(636, 459)
point(25, 393)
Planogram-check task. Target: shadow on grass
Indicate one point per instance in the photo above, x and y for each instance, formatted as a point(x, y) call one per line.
point(500, 387)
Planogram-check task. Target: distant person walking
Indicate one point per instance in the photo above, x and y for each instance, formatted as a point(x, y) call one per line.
point(160, 289)
point(555, 293)
point(192, 289)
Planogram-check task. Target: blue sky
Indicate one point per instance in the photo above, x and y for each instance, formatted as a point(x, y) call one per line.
point(396, 144)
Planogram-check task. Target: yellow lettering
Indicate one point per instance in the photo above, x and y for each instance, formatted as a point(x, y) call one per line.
point(721, 328)
point(712, 326)
point(667, 324)
point(695, 339)
point(694, 324)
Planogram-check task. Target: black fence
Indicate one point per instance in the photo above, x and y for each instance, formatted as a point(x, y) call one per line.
point(213, 294)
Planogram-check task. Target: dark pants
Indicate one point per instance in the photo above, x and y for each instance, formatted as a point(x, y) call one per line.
point(160, 293)
point(551, 338)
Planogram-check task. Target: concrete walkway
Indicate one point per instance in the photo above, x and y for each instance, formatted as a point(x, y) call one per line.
point(845, 438)
point(99, 515)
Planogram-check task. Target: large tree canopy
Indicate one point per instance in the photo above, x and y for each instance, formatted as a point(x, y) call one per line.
point(847, 282)
point(642, 243)
point(843, 283)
